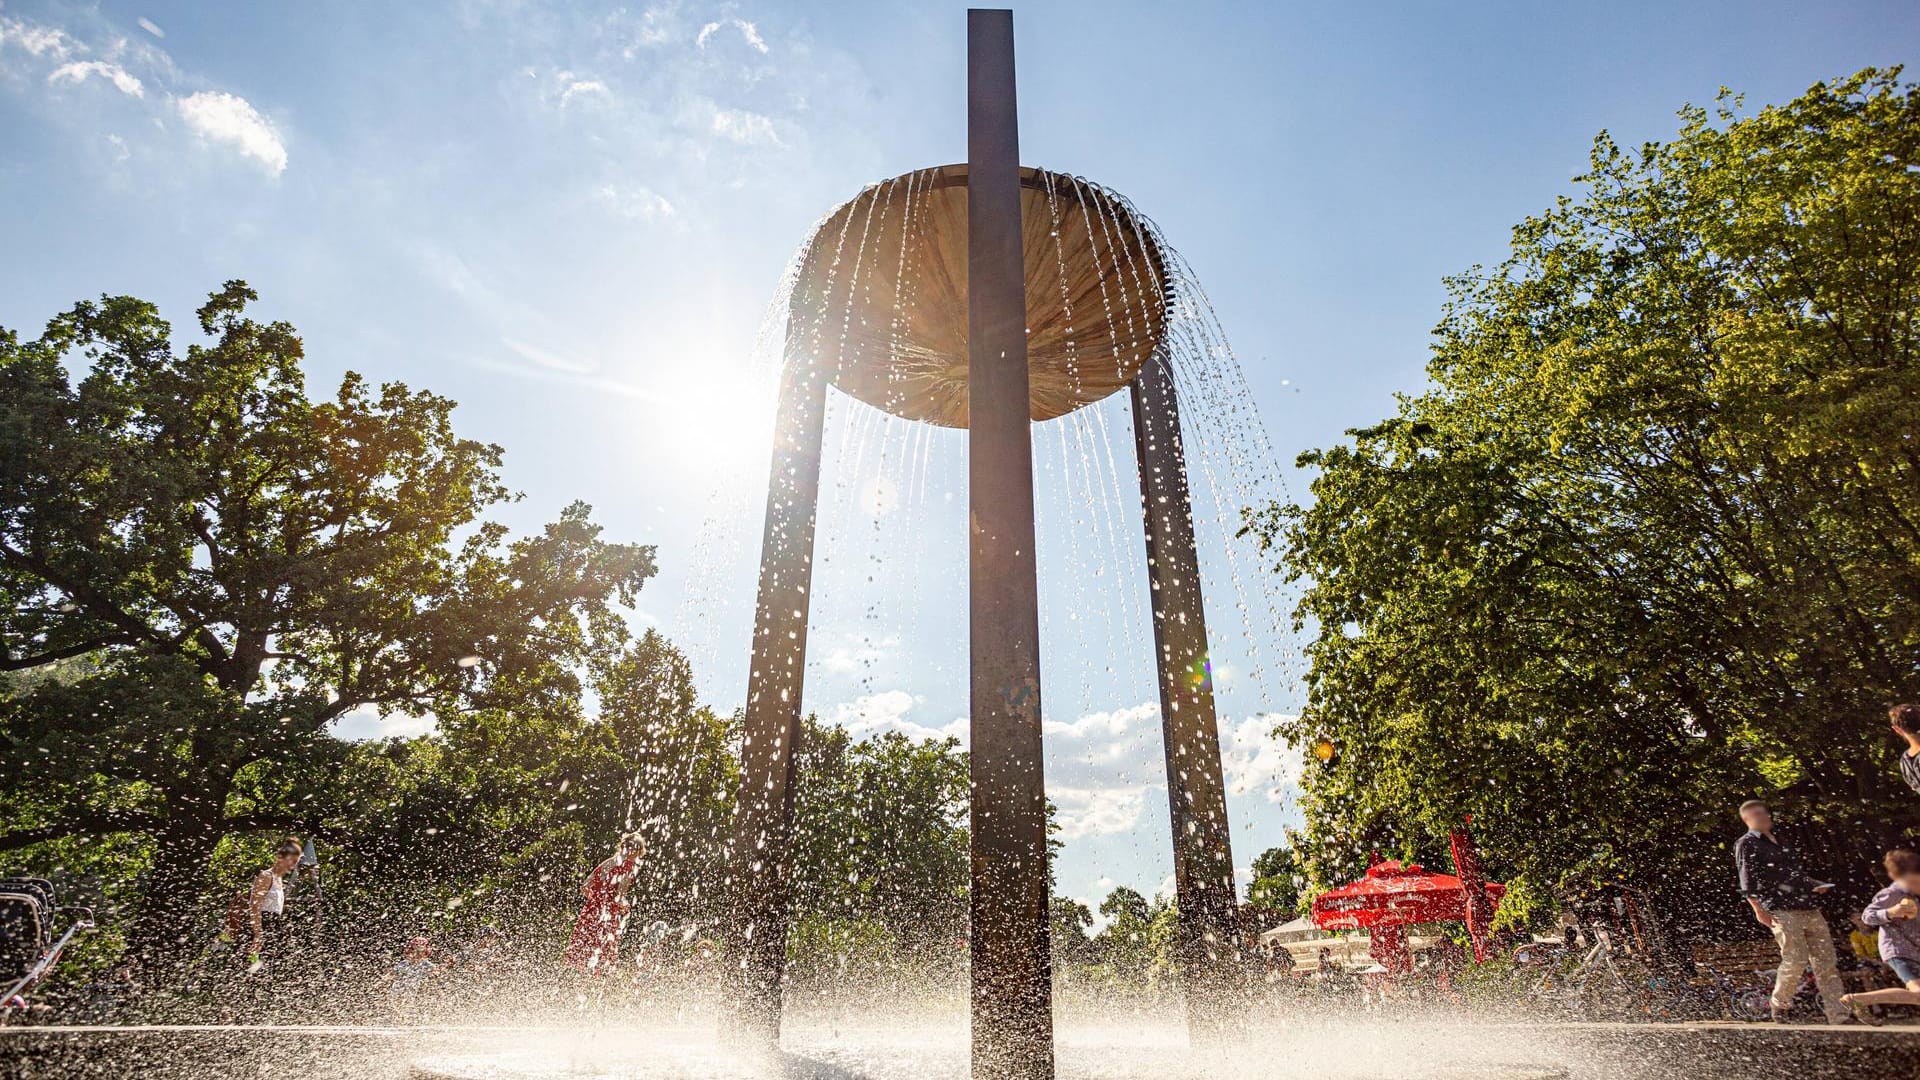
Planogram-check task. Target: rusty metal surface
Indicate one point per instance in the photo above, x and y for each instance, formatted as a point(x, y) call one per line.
point(892, 263)
point(1207, 946)
point(1012, 1029)
point(763, 821)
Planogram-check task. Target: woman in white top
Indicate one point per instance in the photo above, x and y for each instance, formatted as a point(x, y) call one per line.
point(267, 901)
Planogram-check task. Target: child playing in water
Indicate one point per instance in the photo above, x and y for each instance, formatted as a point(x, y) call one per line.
point(409, 974)
point(595, 948)
point(1896, 911)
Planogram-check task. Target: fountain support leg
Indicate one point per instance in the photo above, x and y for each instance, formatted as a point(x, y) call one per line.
point(1011, 972)
point(763, 824)
point(1207, 943)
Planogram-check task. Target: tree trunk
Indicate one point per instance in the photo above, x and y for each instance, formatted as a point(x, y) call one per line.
point(175, 921)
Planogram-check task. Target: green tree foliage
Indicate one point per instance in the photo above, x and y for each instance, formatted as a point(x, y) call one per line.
point(1125, 905)
point(501, 814)
point(880, 832)
point(1650, 544)
point(1128, 946)
point(677, 759)
point(1276, 881)
point(546, 788)
point(242, 565)
point(1068, 923)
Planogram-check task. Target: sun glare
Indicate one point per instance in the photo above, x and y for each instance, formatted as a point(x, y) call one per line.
point(715, 423)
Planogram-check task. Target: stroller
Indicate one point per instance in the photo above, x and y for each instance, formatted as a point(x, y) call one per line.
point(28, 950)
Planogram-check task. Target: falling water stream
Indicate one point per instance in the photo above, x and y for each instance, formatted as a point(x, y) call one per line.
point(890, 541)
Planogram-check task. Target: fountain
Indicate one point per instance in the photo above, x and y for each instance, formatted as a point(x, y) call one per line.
point(1070, 296)
point(1066, 294)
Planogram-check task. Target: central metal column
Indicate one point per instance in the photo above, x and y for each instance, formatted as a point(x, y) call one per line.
point(1012, 990)
point(1207, 943)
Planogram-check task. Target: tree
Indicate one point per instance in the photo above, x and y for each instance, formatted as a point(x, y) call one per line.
point(675, 758)
point(1649, 545)
point(1068, 922)
point(1126, 944)
point(1125, 903)
point(880, 832)
point(520, 801)
point(242, 566)
point(1276, 881)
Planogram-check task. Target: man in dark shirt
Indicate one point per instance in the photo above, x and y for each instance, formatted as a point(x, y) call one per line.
point(1782, 898)
point(1906, 724)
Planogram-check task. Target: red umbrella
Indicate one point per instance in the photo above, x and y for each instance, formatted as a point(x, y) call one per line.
point(1473, 888)
point(1395, 894)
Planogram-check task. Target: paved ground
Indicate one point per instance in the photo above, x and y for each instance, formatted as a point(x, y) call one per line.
point(1386, 1050)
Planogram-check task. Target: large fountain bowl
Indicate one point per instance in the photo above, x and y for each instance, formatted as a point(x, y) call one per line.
point(882, 295)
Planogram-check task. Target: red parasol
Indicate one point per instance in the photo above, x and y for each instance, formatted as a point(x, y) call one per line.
point(1396, 894)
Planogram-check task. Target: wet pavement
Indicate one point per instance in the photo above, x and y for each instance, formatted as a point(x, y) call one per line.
point(1423, 1050)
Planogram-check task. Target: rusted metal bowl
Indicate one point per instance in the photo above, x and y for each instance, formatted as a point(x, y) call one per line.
point(882, 294)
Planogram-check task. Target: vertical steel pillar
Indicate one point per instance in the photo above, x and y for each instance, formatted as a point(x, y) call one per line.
point(763, 822)
point(1012, 988)
point(1208, 945)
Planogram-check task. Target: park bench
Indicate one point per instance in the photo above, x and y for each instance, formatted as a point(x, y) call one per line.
point(1741, 962)
point(1736, 959)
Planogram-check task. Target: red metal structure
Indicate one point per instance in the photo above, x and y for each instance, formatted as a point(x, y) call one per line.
point(1473, 884)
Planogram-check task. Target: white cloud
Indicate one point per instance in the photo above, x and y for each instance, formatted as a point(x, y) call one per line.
point(634, 202)
point(886, 708)
point(365, 722)
point(1111, 724)
point(228, 118)
point(579, 87)
point(1254, 760)
point(748, 33)
point(550, 360)
point(515, 321)
point(456, 276)
point(879, 496)
point(48, 41)
point(857, 654)
point(1112, 748)
point(133, 66)
point(79, 71)
point(653, 27)
point(887, 711)
point(1098, 811)
point(559, 88)
point(746, 128)
point(1101, 767)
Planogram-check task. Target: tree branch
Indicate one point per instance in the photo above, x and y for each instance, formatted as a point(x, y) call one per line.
point(96, 602)
point(277, 821)
point(100, 824)
point(203, 528)
point(22, 663)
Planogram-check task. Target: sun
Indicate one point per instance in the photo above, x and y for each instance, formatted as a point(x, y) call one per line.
point(716, 423)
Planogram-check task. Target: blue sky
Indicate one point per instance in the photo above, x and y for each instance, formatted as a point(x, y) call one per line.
point(571, 218)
